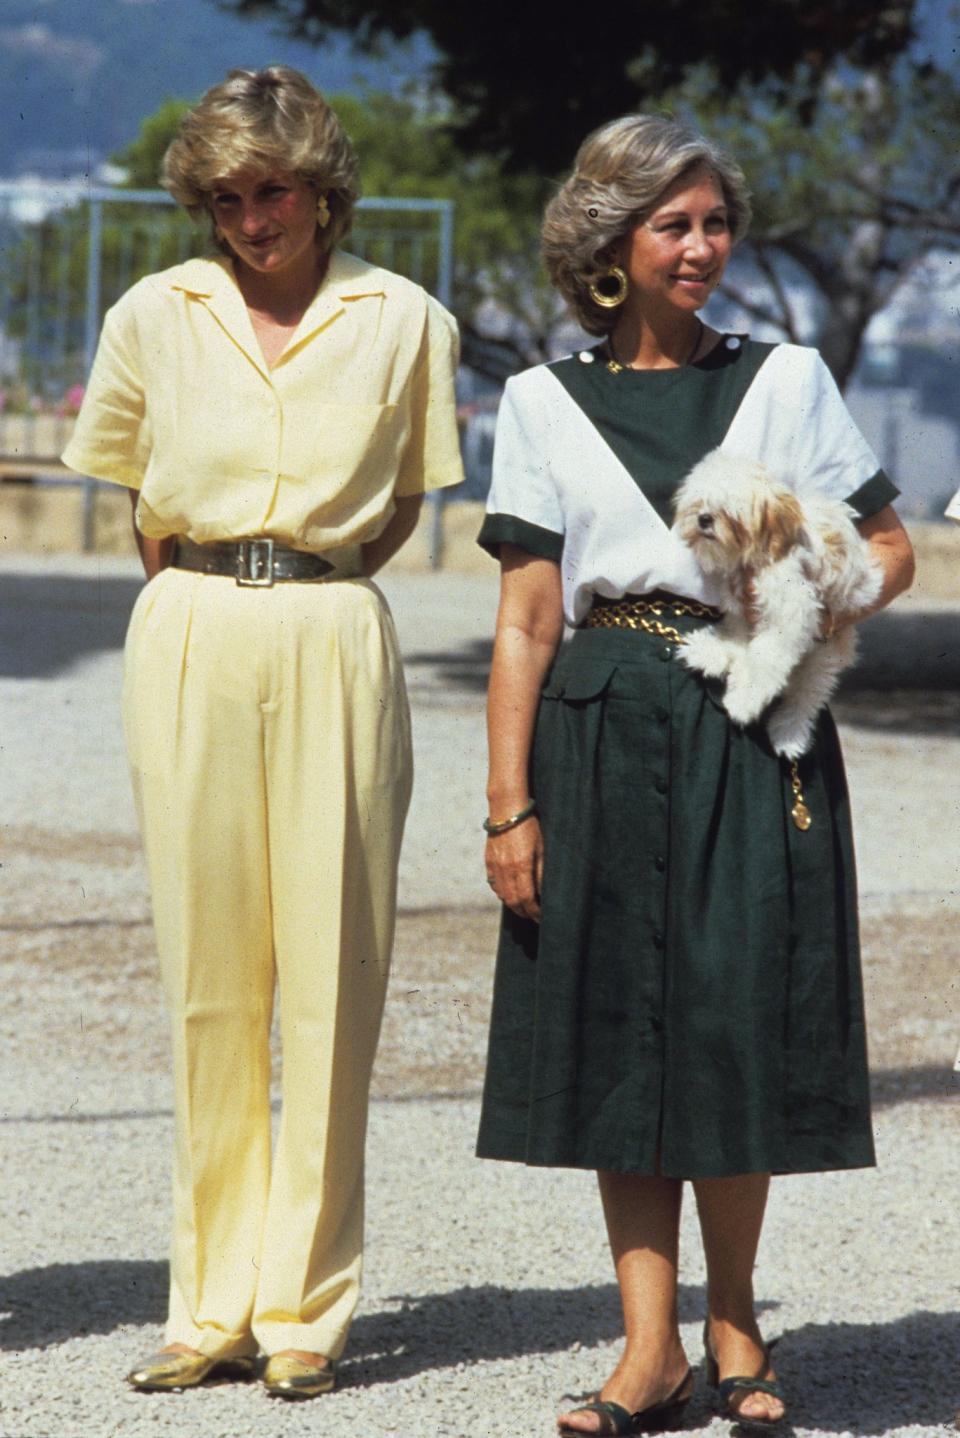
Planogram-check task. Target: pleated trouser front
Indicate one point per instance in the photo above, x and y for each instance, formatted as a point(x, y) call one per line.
point(268, 735)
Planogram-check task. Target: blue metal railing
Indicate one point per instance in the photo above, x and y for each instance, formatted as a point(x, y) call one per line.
point(49, 330)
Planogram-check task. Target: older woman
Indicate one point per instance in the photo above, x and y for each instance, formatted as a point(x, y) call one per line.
point(677, 989)
point(278, 411)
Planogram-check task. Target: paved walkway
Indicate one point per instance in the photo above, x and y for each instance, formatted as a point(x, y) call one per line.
point(488, 1292)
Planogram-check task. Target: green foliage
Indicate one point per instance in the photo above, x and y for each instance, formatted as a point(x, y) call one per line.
point(45, 274)
point(528, 81)
point(880, 146)
point(406, 149)
point(141, 157)
point(856, 198)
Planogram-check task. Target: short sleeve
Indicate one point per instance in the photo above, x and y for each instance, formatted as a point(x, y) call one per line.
point(111, 437)
point(432, 459)
point(793, 419)
point(523, 507)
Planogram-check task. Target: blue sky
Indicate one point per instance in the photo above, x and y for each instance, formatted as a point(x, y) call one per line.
point(77, 76)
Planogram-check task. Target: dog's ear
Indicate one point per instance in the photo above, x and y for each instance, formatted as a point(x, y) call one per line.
point(780, 523)
point(736, 537)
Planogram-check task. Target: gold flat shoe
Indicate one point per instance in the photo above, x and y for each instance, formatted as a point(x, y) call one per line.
point(169, 1372)
point(288, 1377)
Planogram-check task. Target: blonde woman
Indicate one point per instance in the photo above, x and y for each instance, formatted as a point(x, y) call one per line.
point(278, 412)
point(678, 988)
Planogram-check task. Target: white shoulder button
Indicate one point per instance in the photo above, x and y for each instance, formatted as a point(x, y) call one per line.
point(732, 342)
point(586, 356)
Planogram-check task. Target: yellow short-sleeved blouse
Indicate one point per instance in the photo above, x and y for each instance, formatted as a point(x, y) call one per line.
point(359, 408)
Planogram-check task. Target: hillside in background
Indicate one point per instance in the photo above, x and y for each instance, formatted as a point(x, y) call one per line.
point(77, 76)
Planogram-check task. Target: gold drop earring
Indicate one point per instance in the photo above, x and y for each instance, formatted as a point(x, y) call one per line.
point(323, 212)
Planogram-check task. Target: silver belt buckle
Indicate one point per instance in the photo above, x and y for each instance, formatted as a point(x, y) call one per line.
point(255, 563)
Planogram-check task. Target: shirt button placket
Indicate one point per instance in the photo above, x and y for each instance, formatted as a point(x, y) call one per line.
point(273, 422)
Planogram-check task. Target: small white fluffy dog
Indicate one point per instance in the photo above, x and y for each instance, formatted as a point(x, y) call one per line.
point(808, 562)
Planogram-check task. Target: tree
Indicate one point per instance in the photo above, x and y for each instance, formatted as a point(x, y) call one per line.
point(507, 311)
point(407, 150)
point(528, 81)
point(855, 201)
point(140, 159)
point(46, 268)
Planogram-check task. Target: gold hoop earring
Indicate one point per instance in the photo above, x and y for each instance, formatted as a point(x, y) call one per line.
point(610, 288)
point(323, 212)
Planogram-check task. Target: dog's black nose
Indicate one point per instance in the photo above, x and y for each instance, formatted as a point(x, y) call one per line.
point(705, 520)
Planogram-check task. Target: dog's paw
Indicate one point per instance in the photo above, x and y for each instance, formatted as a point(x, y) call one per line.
point(790, 732)
point(706, 652)
point(743, 704)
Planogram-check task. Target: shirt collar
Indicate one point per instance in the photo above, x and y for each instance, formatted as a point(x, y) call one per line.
point(212, 282)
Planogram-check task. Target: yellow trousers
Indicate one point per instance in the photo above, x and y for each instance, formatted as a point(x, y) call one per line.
point(269, 741)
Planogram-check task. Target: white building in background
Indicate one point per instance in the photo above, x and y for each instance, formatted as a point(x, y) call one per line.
point(905, 395)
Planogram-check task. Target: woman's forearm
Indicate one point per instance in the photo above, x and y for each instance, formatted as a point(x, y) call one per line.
point(529, 629)
point(891, 549)
point(520, 664)
point(399, 529)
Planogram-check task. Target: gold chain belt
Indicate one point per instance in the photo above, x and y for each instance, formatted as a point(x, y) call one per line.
point(646, 614)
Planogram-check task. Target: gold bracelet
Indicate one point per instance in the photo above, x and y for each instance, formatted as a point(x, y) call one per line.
point(500, 826)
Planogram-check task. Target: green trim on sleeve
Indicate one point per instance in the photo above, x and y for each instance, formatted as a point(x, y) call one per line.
point(500, 529)
point(873, 496)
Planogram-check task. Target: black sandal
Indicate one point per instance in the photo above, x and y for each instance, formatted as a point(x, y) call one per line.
point(741, 1384)
point(616, 1421)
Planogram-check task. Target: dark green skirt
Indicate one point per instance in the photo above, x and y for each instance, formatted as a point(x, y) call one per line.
point(691, 1003)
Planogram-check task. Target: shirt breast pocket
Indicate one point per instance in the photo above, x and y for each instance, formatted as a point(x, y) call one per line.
point(340, 441)
point(341, 464)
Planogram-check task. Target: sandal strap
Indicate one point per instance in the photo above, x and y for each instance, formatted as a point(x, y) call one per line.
point(672, 1399)
point(750, 1385)
point(612, 1414)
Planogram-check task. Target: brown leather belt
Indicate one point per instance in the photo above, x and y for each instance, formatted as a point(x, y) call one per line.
point(254, 563)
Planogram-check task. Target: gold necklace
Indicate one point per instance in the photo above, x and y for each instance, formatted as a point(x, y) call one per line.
point(615, 367)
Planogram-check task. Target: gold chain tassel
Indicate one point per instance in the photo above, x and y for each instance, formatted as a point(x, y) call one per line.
point(800, 814)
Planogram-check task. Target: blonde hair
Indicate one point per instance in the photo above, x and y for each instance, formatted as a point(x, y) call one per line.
point(255, 120)
point(619, 175)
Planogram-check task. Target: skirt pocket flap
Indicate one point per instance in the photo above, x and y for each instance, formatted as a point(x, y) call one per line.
point(586, 679)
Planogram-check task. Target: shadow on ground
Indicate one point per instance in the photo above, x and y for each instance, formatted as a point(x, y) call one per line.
point(488, 1323)
point(466, 670)
point(40, 1307)
point(864, 1378)
point(48, 623)
point(906, 681)
point(47, 1306)
point(906, 1085)
point(899, 711)
point(869, 1378)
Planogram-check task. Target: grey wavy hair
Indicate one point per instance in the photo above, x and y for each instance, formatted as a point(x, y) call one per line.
point(263, 119)
point(619, 175)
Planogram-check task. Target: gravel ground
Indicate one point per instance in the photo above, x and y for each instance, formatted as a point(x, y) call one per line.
point(478, 1316)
